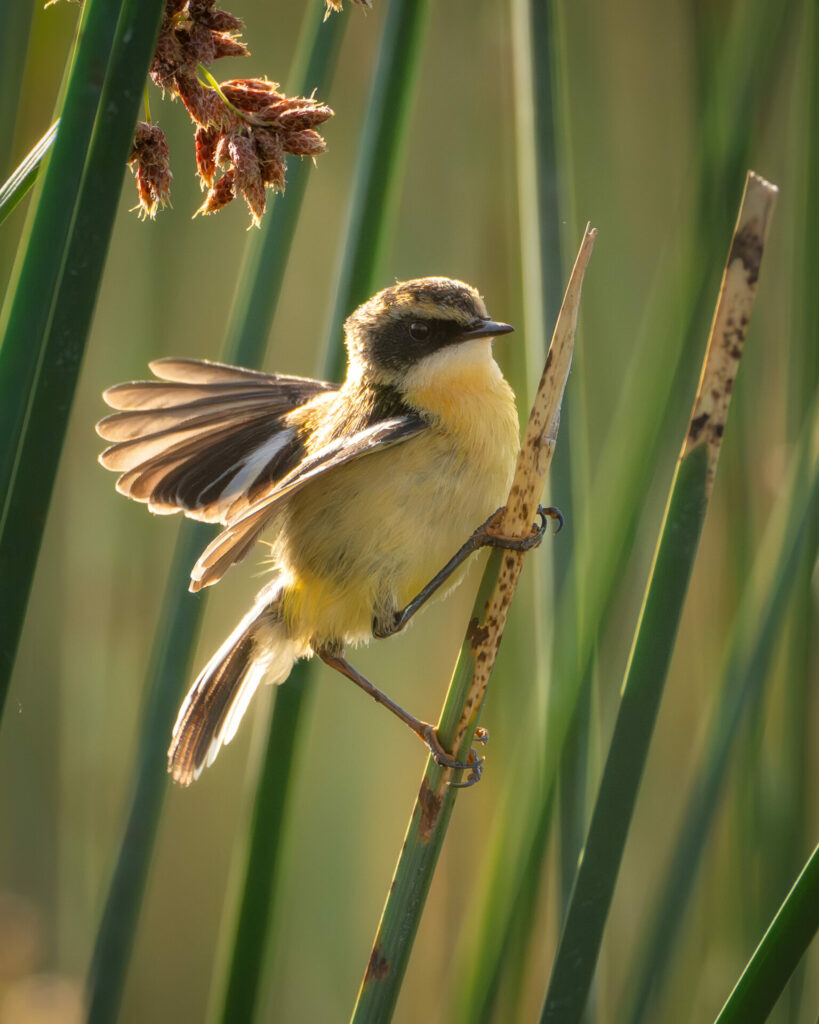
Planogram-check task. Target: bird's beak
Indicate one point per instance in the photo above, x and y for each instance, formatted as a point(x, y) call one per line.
point(487, 329)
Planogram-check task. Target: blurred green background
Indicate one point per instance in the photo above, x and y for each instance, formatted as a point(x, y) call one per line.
point(660, 109)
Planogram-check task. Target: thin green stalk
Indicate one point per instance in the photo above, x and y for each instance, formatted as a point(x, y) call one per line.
point(237, 994)
point(38, 374)
point(374, 192)
point(170, 666)
point(778, 954)
point(422, 843)
point(13, 51)
point(23, 177)
point(596, 876)
point(254, 306)
point(608, 520)
point(791, 541)
point(377, 178)
point(433, 808)
point(26, 316)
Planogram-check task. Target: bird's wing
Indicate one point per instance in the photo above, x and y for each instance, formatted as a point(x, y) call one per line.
point(245, 524)
point(203, 435)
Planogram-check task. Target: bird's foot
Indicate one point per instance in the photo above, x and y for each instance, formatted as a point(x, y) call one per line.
point(474, 765)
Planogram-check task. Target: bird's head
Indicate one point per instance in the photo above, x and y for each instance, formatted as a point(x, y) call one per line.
point(413, 321)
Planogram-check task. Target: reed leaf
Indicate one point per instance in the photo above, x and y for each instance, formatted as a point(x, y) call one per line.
point(374, 191)
point(790, 541)
point(40, 360)
point(238, 990)
point(254, 306)
point(25, 174)
point(13, 50)
point(659, 620)
point(607, 520)
point(779, 952)
point(430, 817)
point(170, 666)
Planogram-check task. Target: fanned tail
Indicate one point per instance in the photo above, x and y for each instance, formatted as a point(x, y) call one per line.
point(257, 649)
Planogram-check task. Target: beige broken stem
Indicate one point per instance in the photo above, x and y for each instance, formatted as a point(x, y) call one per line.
point(527, 485)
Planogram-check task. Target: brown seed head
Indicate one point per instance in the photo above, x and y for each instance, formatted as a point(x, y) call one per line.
point(218, 196)
point(304, 143)
point(206, 142)
point(150, 163)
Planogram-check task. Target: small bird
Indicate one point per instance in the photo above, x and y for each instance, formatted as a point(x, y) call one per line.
point(365, 489)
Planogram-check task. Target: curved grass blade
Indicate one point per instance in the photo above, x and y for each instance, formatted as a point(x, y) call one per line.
point(13, 52)
point(791, 541)
point(25, 319)
point(170, 666)
point(174, 643)
point(375, 191)
point(659, 620)
point(38, 374)
point(23, 177)
point(646, 406)
point(436, 798)
point(238, 990)
point(779, 952)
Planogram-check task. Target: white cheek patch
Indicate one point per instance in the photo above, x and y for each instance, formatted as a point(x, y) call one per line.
point(454, 358)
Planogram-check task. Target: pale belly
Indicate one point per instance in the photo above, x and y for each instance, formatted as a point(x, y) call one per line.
point(360, 543)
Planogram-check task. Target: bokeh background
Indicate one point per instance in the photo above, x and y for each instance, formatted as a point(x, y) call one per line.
point(660, 109)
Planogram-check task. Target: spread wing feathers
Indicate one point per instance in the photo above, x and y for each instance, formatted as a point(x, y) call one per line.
point(203, 435)
point(243, 529)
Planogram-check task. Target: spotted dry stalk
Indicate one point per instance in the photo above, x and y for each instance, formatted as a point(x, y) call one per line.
point(730, 324)
point(527, 486)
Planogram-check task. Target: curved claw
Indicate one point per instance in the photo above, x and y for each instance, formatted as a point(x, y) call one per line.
point(475, 773)
point(430, 737)
point(550, 512)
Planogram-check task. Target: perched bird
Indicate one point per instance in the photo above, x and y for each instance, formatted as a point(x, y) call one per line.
point(364, 489)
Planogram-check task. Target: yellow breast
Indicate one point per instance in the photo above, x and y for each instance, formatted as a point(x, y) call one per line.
point(366, 537)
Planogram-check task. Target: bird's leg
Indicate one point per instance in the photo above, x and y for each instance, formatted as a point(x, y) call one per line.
point(484, 536)
point(422, 729)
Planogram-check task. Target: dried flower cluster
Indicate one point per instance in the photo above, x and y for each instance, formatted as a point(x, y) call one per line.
point(244, 127)
point(149, 162)
point(257, 128)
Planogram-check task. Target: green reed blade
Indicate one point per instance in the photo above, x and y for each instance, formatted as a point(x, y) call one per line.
point(779, 952)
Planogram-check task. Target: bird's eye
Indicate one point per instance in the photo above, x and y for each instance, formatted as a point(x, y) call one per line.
point(419, 330)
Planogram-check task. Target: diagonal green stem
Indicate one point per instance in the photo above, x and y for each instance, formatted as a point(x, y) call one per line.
point(422, 843)
point(374, 189)
point(791, 541)
point(608, 520)
point(170, 665)
point(779, 952)
point(26, 316)
point(237, 994)
point(23, 177)
point(596, 876)
point(375, 192)
point(38, 374)
point(254, 306)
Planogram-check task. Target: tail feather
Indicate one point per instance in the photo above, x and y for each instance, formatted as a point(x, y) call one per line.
point(258, 648)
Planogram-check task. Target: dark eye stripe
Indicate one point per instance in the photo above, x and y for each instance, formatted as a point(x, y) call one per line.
point(397, 346)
